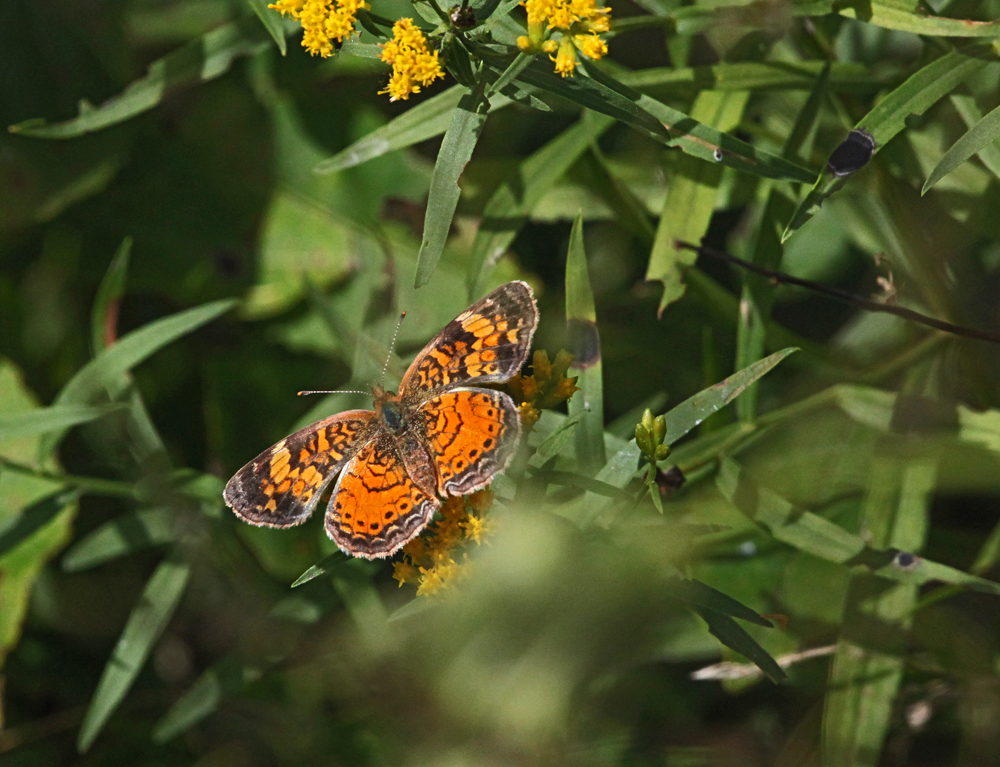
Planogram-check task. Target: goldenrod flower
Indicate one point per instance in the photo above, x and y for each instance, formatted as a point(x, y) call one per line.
point(547, 386)
point(323, 21)
point(577, 24)
point(413, 65)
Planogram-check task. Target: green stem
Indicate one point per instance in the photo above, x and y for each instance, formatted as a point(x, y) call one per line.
point(87, 484)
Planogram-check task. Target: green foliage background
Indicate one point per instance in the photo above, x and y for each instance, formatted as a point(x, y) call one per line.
point(233, 223)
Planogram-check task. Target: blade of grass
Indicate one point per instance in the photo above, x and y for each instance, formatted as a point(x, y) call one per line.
point(104, 314)
point(703, 595)
point(120, 537)
point(581, 319)
point(35, 517)
point(508, 208)
point(733, 636)
point(456, 150)
point(272, 23)
point(970, 113)
point(556, 442)
point(982, 134)
point(200, 60)
point(106, 369)
point(49, 419)
point(149, 618)
point(229, 676)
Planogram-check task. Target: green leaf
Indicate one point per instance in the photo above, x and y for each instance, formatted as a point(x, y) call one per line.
point(106, 369)
point(556, 442)
point(889, 15)
point(199, 61)
point(228, 676)
point(692, 411)
point(49, 419)
point(35, 517)
point(121, 536)
point(271, 20)
point(508, 208)
point(572, 479)
point(703, 595)
point(984, 133)
point(690, 200)
point(456, 151)
point(425, 120)
point(149, 618)
point(585, 342)
point(733, 636)
point(325, 565)
point(915, 96)
point(104, 314)
point(970, 113)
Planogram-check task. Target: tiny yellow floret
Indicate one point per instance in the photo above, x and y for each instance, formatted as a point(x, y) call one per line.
point(323, 21)
point(413, 65)
point(576, 25)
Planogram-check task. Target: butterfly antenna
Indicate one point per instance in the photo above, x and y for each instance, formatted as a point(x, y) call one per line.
point(338, 391)
point(391, 347)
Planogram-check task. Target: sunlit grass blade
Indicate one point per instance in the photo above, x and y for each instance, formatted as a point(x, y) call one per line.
point(202, 699)
point(557, 441)
point(971, 114)
point(271, 20)
point(325, 565)
point(868, 664)
point(585, 342)
point(200, 60)
point(733, 636)
point(984, 133)
point(690, 200)
point(459, 141)
point(120, 537)
point(890, 15)
point(692, 411)
point(703, 595)
point(34, 518)
point(510, 73)
point(107, 368)
point(104, 313)
point(149, 618)
point(921, 91)
point(55, 418)
point(508, 209)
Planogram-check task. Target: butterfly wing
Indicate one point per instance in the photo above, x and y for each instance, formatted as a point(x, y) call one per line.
point(486, 343)
point(376, 507)
point(281, 486)
point(471, 435)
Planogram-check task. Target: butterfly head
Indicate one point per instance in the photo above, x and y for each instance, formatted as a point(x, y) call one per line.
point(388, 409)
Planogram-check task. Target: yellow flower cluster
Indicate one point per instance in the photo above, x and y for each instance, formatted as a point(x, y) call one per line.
point(322, 21)
point(428, 560)
point(413, 65)
point(579, 23)
point(546, 387)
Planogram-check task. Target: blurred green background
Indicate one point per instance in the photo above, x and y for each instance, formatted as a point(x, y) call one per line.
point(140, 622)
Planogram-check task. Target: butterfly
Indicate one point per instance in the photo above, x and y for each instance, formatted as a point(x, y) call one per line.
point(438, 437)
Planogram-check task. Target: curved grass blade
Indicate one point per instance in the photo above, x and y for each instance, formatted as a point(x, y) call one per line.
point(106, 369)
point(34, 518)
point(556, 442)
point(49, 419)
point(149, 618)
point(325, 565)
point(121, 536)
point(694, 410)
point(228, 676)
point(969, 110)
point(104, 314)
point(921, 91)
point(511, 204)
point(733, 636)
point(703, 595)
point(981, 135)
point(199, 61)
point(272, 23)
point(572, 479)
point(456, 150)
point(585, 342)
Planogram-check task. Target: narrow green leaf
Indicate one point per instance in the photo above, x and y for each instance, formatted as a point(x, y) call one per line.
point(34, 518)
point(585, 342)
point(121, 536)
point(556, 442)
point(889, 15)
point(695, 409)
point(149, 618)
point(733, 636)
point(508, 208)
point(510, 73)
point(106, 369)
point(572, 479)
point(49, 419)
point(703, 595)
point(984, 133)
point(690, 200)
point(423, 121)
point(104, 314)
point(915, 96)
point(325, 565)
point(199, 61)
point(456, 151)
point(271, 20)
point(969, 110)
point(229, 676)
